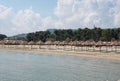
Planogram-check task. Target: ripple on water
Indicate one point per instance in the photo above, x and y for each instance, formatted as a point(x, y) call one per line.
point(16, 66)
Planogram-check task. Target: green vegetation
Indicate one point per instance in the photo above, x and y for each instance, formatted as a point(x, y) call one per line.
point(95, 34)
point(2, 36)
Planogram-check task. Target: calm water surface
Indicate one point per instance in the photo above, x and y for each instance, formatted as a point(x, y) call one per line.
point(16, 66)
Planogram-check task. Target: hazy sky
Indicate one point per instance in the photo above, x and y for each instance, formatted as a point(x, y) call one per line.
point(23, 16)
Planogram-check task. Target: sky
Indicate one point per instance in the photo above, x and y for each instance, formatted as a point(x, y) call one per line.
point(24, 16)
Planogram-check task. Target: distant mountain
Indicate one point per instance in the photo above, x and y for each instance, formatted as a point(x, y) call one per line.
point(51, 30)
point(18, 37)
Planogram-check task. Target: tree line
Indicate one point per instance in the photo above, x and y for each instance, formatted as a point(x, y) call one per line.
point(2, 36)
point(95, 34)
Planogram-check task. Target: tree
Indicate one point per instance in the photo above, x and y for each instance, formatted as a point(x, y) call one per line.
point(2, 36)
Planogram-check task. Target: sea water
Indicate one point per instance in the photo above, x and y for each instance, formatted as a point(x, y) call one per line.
point(19, 66)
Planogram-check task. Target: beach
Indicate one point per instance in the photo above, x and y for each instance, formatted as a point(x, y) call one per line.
point(52, 50)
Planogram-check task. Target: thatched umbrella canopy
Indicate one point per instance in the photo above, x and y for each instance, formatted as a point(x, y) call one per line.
point(31, 43)
point(56, 43)
point(8, 42)
point(99, 44)
point(87, 43)
point(1, 42)
point(48, 43)
point(15, 42)
point(75, 43)
point(70, 43)
point(92, 44)
point(39, 43)
point(115, 43)
point(63, 43)
point(23, 43)
point(81, 44)
point(106, 44)
point(84, 44)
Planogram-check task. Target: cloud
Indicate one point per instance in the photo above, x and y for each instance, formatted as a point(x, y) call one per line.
point(26, 21)
point(117, 14)
point(47, 23)
point(23, 21)
point(5, 12)
point(76, 13)
point(67, 14)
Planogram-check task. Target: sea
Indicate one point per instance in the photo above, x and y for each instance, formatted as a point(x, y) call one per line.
point(22, 66)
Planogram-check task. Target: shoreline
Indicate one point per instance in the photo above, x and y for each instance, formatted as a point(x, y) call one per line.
point(88, 54)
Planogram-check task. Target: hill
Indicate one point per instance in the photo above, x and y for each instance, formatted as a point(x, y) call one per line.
point(18, 37)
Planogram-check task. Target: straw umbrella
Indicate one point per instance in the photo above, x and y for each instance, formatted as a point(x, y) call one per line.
point(15, 43)
point(23, 43)
point(31, 43)
point(8, 42)
point(63, 43)
point(81, 44)
point(107, 44)
point(92, 44)
point(87, 44)
point(99, 44)
point(75, 43)
point(2, 43)
point(115, 44)
point(70, 44)
point(57, 43)
point(48, 43)
point(39, 43)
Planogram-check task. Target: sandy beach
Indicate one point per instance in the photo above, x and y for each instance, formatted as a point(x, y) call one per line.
point(89, 54)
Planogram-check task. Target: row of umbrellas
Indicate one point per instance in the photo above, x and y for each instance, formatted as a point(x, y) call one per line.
point(63, 43)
